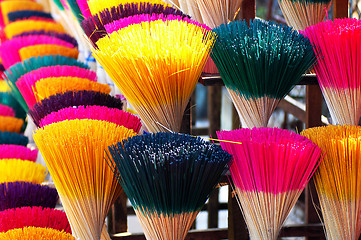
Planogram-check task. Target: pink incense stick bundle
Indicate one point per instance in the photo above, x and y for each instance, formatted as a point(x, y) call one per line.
point(102, 113)
point(338, 69)
point(18, 152)
point(271, 167)
point(26, 82)
point(33, 217)
point(9, 50)
point(6, 111)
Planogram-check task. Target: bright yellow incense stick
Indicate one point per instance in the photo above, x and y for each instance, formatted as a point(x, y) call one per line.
point(156, 65)
point(74, 153)
point(18, 170)
point(18, 27)
point(338, 179)
point(18, 5)
point(35, 233)
point(47, 49)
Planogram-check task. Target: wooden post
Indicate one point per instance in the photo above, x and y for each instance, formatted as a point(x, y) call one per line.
point(237, 229)
point(118, 219)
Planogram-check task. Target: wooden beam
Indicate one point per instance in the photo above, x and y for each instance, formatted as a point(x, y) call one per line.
point(340, 8)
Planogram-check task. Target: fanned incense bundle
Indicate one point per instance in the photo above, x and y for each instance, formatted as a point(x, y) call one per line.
point(48, 49)
point(72, 99)
point(270, 169)
point(6, 111)
point(9, 50)
point(338, 179)
point(63, 36)
point(33, 217)
point(47, 87)
point(22, 194)
point(13, 138)
point(17, 5)
point(17, 170)
point(19, 152)
point(94, 26)
point(159, 85)
point(26, 14)
point(15, 72)
point(304, 13)
point(11, 124)
point(338, 68)
point(167, 177)
point(34, 233)
point(259, 65)
point(102, 113)
point(6, 98)
point(97, 6)
point(18, 27)
point(85, 183)
point(26, 82)
point(4, 87)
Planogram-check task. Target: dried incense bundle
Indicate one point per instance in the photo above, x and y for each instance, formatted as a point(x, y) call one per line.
point(102, 113)
point(85, 183)
point(259, 65)
point(16, 71)
point(94, 26)
point(18, 27)
point(6, 98)
point(270, 169)
point(167, 177)
point(21, 194)
point(26, 14)
point(33, 217)
point(26, 82)
point(338, 68)
point(9, 50)
point(47, 49)
point(47, 87)
point(18, 170)
point(63, 36)
point(13, 138)
point(72, 99)
point(6, 111)
point(19, 152)
point(159, 85)
point(217, 12)
point(17, 5)
point(34, 233)
point(11, 124)
point(338, 179)
point(97, 6)
point(304, 13)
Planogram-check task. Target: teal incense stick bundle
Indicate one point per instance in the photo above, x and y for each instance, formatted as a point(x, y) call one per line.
point(259, 65)
point(167, 178)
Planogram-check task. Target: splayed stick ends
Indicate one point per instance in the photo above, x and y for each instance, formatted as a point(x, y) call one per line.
point(271, 167)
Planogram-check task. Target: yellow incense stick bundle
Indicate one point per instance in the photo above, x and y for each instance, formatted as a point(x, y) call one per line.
point(18, 27)
point(4, 87)
point(11, 124)
point(18, 170)
point(338, 179)
point(47, 87)
point(35, 233)
point(18, 5)
point(46, 50)
point(74, 153)
point(96, 6)
point(156, 65)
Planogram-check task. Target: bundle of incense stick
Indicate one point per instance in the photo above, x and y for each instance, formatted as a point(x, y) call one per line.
point(13, 138)
point(21, 194)
point(18, 170)
point(28, 14)
point(338, 179)
point(159, 85)
point(19, 152)
point(271, 167)
point(18, 27)
point(35, 233)
point(7, 98)
point(72, 99)
point(259, 65)
point(33, 217)
point(337, 70)
point(47, 49)
point(17, 5)
point(167, 178)
point(304, 13)
point(86, 184)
